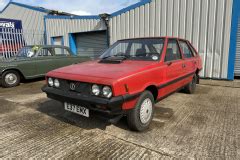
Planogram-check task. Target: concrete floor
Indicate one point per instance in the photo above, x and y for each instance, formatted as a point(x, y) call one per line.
point(203, 125)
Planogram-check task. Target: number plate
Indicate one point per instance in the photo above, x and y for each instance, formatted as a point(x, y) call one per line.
point(76, 109)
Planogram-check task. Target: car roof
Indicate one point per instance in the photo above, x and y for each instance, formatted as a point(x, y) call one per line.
point(47, 46)
point(163, 37)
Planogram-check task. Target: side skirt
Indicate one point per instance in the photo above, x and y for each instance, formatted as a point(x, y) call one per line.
point(179, 89)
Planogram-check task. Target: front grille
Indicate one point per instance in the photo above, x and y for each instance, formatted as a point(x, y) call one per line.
point(80, 87)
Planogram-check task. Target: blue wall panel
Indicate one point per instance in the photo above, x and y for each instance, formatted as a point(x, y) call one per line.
point(72, 43)
point(233, 38)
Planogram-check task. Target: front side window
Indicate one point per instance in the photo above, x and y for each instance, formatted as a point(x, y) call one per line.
point(172, 52)
point(28, 51)
point(136, 49)
point(187, 53)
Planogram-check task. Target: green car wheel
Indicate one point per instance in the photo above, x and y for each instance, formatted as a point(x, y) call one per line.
point(10, 79)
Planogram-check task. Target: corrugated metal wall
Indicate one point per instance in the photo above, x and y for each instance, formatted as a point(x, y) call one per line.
point(206, 23)
point(32, 21)
point(63, 26)
point(237, 58)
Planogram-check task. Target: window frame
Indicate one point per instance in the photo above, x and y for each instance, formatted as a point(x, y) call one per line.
point(189, 48)
point(194, 51)
point(179, 49)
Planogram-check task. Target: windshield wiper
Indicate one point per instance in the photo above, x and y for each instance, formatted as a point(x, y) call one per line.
point(123, 57)
point(106, 57)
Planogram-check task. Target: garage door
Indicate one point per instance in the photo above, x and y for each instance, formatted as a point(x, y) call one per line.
point(91, 44)
point(237, 59)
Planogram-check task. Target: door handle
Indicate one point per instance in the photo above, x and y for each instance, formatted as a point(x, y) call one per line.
point(183, 65)
point(169, 63)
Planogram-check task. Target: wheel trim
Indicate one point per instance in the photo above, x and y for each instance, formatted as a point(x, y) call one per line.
point(146, 111)
point(11, 78)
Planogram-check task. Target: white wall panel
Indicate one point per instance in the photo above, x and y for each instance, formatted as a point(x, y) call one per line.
point(205, 23)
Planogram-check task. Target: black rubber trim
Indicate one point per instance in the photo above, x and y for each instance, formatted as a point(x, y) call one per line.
point(129, 97)
point(114, 105)
point(175, 80)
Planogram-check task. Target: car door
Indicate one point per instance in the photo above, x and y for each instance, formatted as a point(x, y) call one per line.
point(190, 61)
point(26, 65)
point(174, 68)
point(44, 61)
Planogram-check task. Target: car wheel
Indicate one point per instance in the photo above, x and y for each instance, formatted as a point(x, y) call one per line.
point(10, 79)
point(141, 116)
point(191, 87)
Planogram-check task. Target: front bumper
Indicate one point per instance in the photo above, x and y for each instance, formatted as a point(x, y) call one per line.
point(112, 106)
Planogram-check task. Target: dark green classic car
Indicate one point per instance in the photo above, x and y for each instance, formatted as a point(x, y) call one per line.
point(34, 62)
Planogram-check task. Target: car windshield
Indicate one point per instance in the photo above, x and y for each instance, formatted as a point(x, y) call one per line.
point(135, 49)
point(28, 51)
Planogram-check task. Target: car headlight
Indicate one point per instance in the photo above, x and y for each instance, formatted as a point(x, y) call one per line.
point(50, 82)
point(56, 83)
point(107, 92)
point(95, 90)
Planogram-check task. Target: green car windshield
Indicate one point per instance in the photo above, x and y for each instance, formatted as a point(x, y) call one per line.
point(28, 52)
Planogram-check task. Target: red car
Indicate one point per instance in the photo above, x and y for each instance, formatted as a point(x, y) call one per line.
point(127, 80)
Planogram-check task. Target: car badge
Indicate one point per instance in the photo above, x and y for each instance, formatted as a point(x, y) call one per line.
point(72, 86)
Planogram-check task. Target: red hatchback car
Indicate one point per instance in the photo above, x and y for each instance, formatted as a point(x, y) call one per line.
point(127, 80)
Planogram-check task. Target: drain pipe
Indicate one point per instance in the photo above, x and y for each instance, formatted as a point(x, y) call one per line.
point(105, 17)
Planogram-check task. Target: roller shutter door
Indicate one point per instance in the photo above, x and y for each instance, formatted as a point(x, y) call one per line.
point(237, 59)
point(91, 43)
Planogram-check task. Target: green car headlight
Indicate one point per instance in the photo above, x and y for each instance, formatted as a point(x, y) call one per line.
point(50, 82)
point(56, 83)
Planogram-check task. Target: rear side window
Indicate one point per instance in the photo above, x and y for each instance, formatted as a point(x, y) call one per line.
point(61, 52)
point(44, 52)
point(187, 53)
point(172, 52)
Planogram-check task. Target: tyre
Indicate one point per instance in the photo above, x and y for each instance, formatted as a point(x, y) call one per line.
point(141, 116)
point(191, 87)
point(10, 79)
